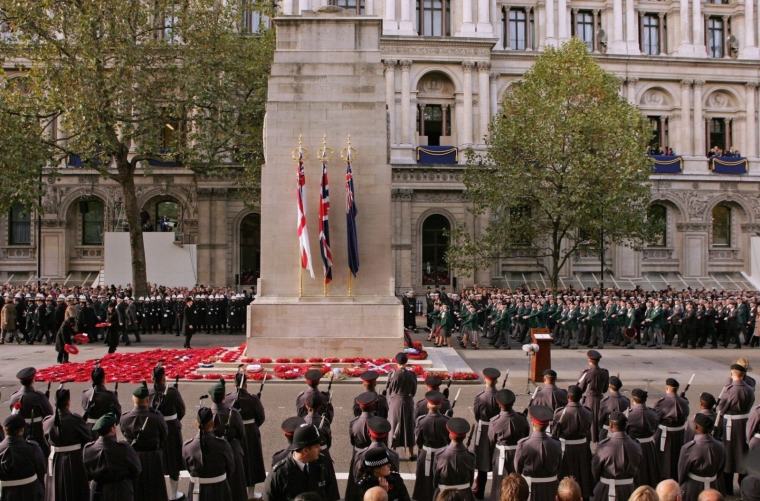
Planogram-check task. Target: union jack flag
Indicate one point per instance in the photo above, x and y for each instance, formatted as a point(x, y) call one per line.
point(303, 231)
point(351, 212)
point(324, 225)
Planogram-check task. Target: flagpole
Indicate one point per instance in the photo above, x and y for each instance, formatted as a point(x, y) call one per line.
point(300, 154)
point(350, 283)
point(348, 154)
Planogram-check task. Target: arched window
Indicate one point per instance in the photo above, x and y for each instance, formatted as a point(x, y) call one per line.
point(92, 222)
point(250, 248)
point(435, 243)
point(721, 226)
point(657, 216)
point(19, 225)
point(170, 210)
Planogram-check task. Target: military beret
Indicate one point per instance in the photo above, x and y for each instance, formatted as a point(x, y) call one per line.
point(434, 397)
point(97, 374)
point(142, 390)
point(704, 421)
point(103, 425)
point(313, 375)
point(541, 414)
point(290, 425)
point(305, 435)
point(433, 381)
point(27, 373)
point(458, 427)
point(550, 373)
point(672, 382)
point(14, 422)
point(314, 399)
point(575, 391)
point(204, 416)
point(217, 391)
point(401, 358)
point(376, 457)
point(616, 382)
point(737, 367)
point(491, 373)
point(639, 393)
point(707, 398)
point(379, 427)
point(593, 355)
point(370, 376)
point(617, 417)
point(505, 397)
point(158, 372)
point(367, 398)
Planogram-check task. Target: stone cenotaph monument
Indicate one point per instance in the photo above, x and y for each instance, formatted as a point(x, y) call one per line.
point(327, 80)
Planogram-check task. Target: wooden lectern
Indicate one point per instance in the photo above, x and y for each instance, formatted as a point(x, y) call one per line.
point(543, 359)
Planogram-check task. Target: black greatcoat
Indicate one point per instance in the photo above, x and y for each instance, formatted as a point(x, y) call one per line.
point(114, 467)
point(235, 436)
point(208, 457)
point(20, 459)
point(168, 401)
point(66, 479)
point(36, 403)
point(401, 391)
point(455, 466)
point(145, 428)
point(617, 458)
point(287, 480)
point(252, 413)
point(95, 406)
point(504, 431)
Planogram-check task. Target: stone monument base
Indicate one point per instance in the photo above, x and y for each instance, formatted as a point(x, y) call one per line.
point(282, 327)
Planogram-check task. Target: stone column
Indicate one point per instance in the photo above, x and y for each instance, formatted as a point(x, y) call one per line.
point(699, 123)
point(287, 7)
point(458, 111)
point(675, 125)
point(632, 43)
point(390, 95)
point(596, 29)
point(484, 99)
point(749, 49)
point(750, 135)
point(632, 90)
point(390, 25)
point(663, 42)
point(726, 48)
point(686, 125)
point(413, 116)
point(685, 46)
point(698, 29)
point(494, 77)
point(467, 99)
point(406, 26)
point(467, 28)
point(528, 31)
point(618, 43)
point(562, 21)
point(369, 7)
point(406, 136)
point(550, 40)
point(484, 27)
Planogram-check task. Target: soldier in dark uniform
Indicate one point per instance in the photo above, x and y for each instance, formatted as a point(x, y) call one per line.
point(409, 313)
point(616, 462)
point(312, 378)
point(179, 309)
point(97, 401)
point(753, 428)
point(734, 409)
point(572, 426)
point(33, 405)
point(612, 402)
point(401, 391)
point(189, 321)
point(550, 395)
point(539, 456)
point(642, 426)
point(252, 413)
point(22, 465)
point(432, 383)
point(112, 331)
point(167, 315)
point(66, 433)
point(706, 407)
point(376, 471)
point(145, 429)
point(369, 381)
point(672, 411)
point(229, 425)
point(289, 427)
point(209, 460)
point(594, 381)
point(431, 437)
point(168, 401)
point(504, 431)
point(484, 408)
point(111, 465)
point(378, 434)
point(455, 465)
point(359, 437)
point(305, 469)
point(315, 415)
point(702, 461)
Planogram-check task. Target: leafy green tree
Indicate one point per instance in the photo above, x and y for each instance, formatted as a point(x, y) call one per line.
point(565, 168)
point(127, 82)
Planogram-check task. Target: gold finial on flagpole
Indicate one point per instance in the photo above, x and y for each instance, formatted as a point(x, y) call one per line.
point(348, 153)
point(300, 153)
point(325, 154)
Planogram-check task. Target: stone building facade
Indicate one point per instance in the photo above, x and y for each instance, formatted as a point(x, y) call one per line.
point(691, 66)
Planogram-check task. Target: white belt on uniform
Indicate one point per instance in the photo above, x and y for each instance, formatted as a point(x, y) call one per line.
point(503, 455)
point(480, 428)
point(665, 430)
point(538, 480)
point(756, 435)
point(16, 483)
point(646, 440)
point(705, 480)
point(606, 427)
point(577, 441)
point(729, 418)
point(457, 487)
point(613, 482)
point(171, 417)
point(91, 420)
point(249, 421)
point(197, 482)
point(55, 450)
point(429, 456)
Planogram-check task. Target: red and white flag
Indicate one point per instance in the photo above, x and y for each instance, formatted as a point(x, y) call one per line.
point(303, 232)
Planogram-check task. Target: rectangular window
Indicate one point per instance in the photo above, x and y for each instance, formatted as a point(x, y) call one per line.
point(20, 226)
point(434, 18)
point(518, 29)
point(355, 5)
point(92, 223)
point(718, 133)
point(715, 35)
point(584, 28)
point(650, 39)
point(252, 21)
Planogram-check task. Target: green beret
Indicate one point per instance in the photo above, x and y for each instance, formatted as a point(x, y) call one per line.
point(142, 390)
point(217, 392)
point(103, 425)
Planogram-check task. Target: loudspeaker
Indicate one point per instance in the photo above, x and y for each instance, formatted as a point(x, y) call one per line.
point(84, 207)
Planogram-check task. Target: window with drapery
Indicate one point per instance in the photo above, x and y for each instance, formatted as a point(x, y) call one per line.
point(715, 36)
point(721, 226)
point(92, 222)
point(434, 18)
point(650, 35)
point(435, 244)
point(519, 27)
point(657, 214)
point(19, 225)
point(584, 28)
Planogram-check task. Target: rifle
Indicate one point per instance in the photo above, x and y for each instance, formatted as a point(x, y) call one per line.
point(116, 389)
point(525, 412)
point(388, 383)
point(234, 403)
point(446, 390)
point(139, 432)
point(88, 407)
point(47, 392)
point(176, 382)
point(324, 415)
point(261, 388)
point(683, 393)
point(472, 432)
point(28, 435)
point(329, 386)
point(450, 412)
point(504, 383)
point(717, 414)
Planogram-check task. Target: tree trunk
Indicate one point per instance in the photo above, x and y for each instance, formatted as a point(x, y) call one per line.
point(132, 211)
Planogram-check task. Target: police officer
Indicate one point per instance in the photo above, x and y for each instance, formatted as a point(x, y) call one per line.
point(369, 381)
point(616, 462)
point(33, 405)
point(313, 378)
point(359, 438)
point(702, 461)
point(612, 402)
point(734, 408)
point(98, 400)
point(455, 465)
point(432, 383)
point(484, 408)
point(401, 391)
point(550, 395)
point(252, 413)
point(572, 426)
point(112, 466)
point(431, 437)
point(209, 460)
point(145, 429)
point(66, 433)
point(229, 425)
point(672, 411)
point(379, 428)
point(289, 427)
point(593, 382)
point(539, 456)
point(22, 465)
point(376, 471)
point(168, 401)
point(642, 426)
point(305, 469)
point(504, 431)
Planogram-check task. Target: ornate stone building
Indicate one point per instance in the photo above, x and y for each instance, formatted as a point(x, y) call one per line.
point(691, 66)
